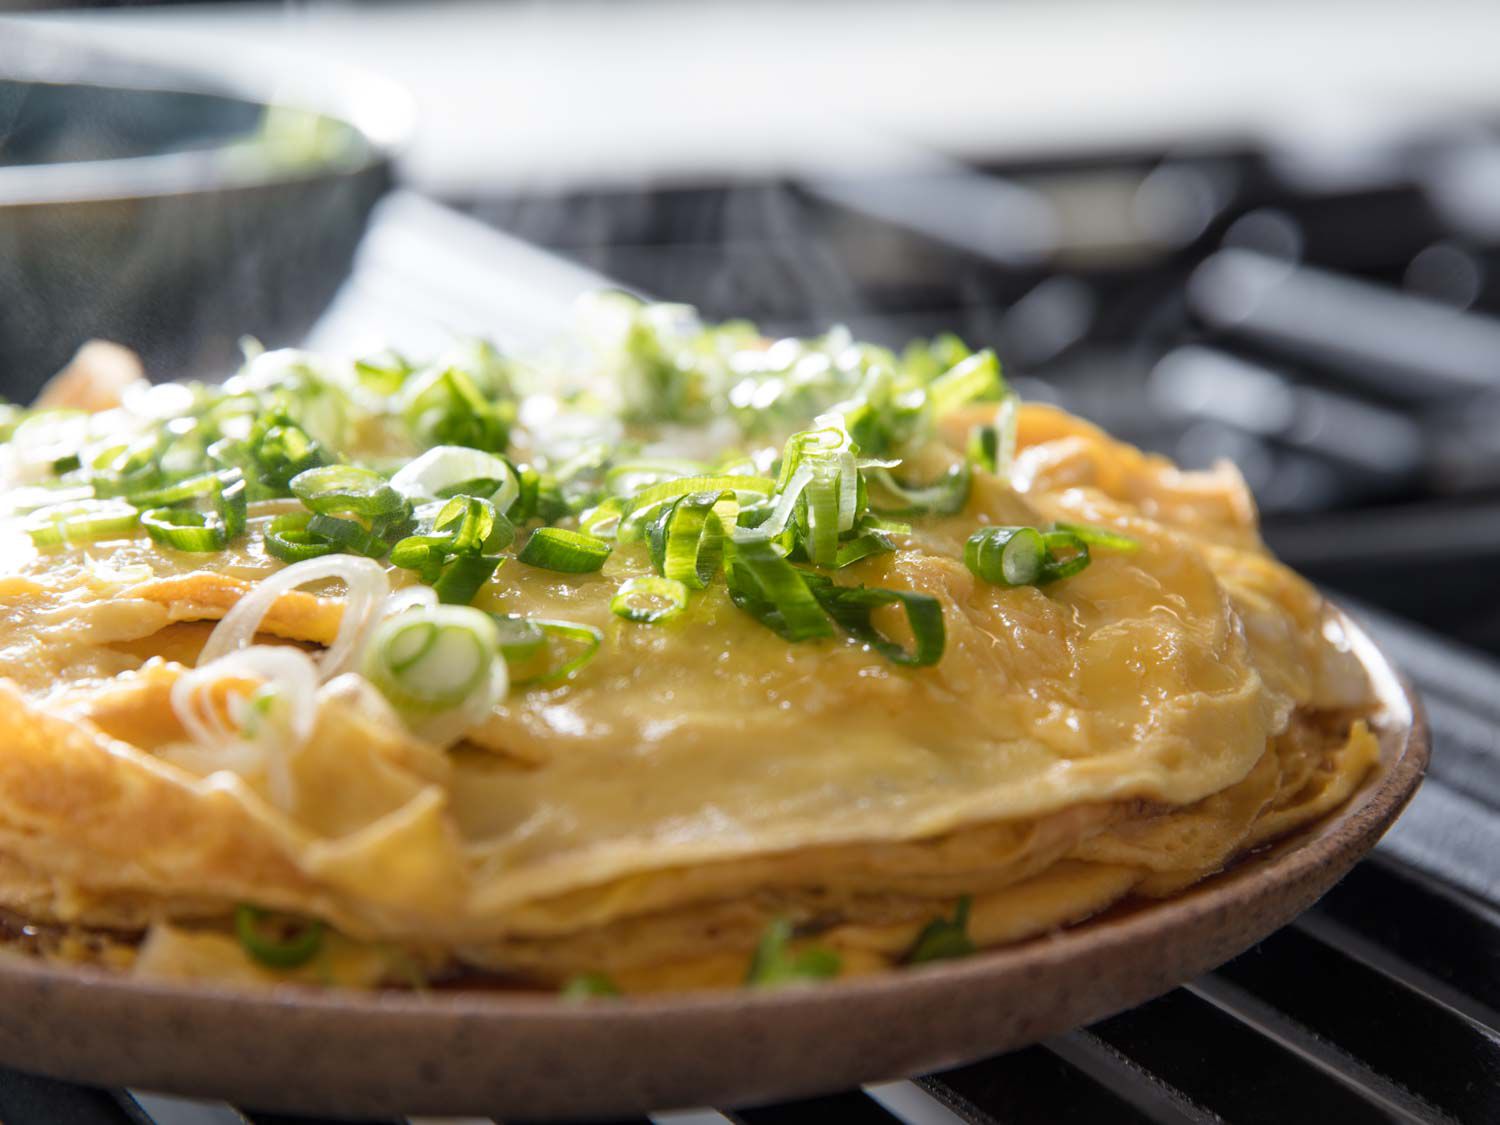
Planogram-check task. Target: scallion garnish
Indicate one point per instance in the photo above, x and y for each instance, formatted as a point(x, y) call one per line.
point(289, 539)
point(687, 538)
point(640, 508)
point(992, 446)
point(383, 373)
point(818, 488)
point(277, 940)
point(943, 939)
point(1006, 556)
point(521, 652)
point(448, 470)
point(463, 576)
point(589, 986)
point(944, 497)
point(773, 591)
point(81, 521)
point(862, 546)
point(439, 666)
point(349, 536)
point(186, 529)
point(555, 548)
point(649, 599)
point(853, 607)
point(339, 490)
point(1100, 537)
point(1024, 556)
point(473, 525)
point(774, 965)
point(1067, 555)
point(183, 529)
point(278, 449)
point(444, 407)
point(976, 377)
point(521, 639)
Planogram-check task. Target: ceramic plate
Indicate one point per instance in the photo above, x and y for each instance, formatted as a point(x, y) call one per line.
point(533, 1056)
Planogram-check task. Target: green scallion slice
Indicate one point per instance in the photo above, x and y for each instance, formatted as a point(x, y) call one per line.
point(231, 504)
point(1006, 556)
point(641, 507)
point(443, 406)
point(852, 607)
point(774, 965)
point(992, 446)
point(184, 529)
point(862, 546)
point(276, 940)
point(423, 553)
point(473, 525)
point(1067, 554)
point(649, 599)
point(338, 490)
point(521, 639)
point(82, 521)
point(555, 548)
point(1024, 556)
point(589, 986)
point(1100, 537)
point(198, 487)
point(348, 536)
point(522, 662)
point(289, 539)
point(463, 576)
point(976, 377)
point(426, 661)
point(773, 591)
point(944, 939)
point(944, 497)
point(383, 373)
point(687, 538)
point(626, 478)
point(451, 470)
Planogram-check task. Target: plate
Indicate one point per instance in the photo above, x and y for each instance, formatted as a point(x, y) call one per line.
point(535, 1056)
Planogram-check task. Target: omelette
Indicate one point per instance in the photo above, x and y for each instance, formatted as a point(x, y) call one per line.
point(675, 658)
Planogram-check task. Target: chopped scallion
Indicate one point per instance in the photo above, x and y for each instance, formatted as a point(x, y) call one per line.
point(687, 538)
point(1100, 536)
point(555, 548)
point(463, 576)
point(275, 940)
point(338, 490)
point(517, 655)
point(589, 986)
point(774, 965)
point(773, 591)
point(427, 661)
point(1024, 556)
point(944, 497)
point(82, 521)
point(852, 607)
point(649, 599)
point(943, 939)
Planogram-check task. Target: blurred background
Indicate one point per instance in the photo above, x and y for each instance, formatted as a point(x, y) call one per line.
point(1267, 231)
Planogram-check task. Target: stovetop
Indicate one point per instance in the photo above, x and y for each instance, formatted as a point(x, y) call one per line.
point(1382, 1003)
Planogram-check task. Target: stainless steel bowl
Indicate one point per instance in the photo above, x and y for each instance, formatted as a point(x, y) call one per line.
point(173, 211)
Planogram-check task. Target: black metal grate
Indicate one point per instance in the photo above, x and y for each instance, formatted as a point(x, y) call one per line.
point(1380, 1004)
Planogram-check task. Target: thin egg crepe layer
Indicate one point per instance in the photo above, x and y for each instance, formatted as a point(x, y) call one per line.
point(1127, 731)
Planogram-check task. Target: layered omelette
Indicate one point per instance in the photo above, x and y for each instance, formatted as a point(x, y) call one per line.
point(678, 658)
